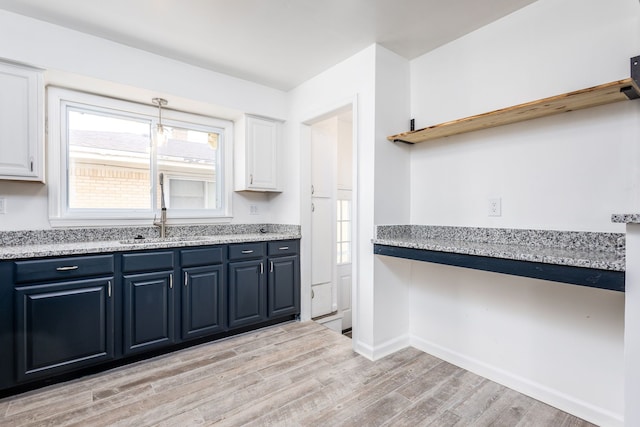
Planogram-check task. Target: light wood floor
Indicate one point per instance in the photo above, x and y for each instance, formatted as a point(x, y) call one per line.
point(296, 374)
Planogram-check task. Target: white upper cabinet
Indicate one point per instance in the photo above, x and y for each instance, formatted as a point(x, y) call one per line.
point(21, 123)
point(257, 152)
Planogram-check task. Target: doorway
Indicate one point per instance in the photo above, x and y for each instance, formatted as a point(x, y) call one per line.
point(332, 219)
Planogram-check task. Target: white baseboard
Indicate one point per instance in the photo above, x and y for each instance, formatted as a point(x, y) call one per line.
point(384, 349)
point(564, 402)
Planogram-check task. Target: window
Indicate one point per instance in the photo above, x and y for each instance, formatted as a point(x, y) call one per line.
point(108, 167)
point(344, 232)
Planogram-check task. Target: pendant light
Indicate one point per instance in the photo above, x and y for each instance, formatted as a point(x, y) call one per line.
point(161, 134)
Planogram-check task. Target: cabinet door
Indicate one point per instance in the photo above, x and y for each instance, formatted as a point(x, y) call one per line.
point(262, 154)
point(247, 293)
point(21, 123)
point(203, 301)
point(284, 286)
point(61, 327)
point(148, 311)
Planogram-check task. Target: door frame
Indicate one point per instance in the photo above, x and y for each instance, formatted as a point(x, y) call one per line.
point(305, 208)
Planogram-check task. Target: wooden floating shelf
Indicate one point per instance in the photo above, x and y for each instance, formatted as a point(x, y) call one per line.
point(616, 91)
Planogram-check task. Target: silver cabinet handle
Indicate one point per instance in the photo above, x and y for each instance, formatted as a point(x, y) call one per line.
point(251, 179)
point(261, 268)
point(186, 278)
point(283, 248)
point(67, 268)
point(271, 267)
point(247, 251)
point(313, 189)
point(313, 207)
point(31, 163)
point(109, 288)
point(171, 281)
point(313, 294)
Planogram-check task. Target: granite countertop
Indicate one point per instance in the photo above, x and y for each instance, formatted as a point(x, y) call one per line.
point(79, 241)
point(604, 251)
point(626, 218)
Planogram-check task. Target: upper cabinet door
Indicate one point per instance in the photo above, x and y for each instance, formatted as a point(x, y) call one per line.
point(257, 155)
point(21, 123)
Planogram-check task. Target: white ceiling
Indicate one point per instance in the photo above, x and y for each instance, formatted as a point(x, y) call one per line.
point(278, 43)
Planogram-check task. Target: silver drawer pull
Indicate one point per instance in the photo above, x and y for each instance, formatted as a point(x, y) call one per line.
point(247, 252)
point(68, 268)
point(284, 248)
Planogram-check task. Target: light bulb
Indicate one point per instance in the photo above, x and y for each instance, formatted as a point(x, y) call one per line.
point(161, 135)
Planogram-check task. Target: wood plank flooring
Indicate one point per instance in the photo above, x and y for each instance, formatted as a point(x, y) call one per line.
point(295, 374)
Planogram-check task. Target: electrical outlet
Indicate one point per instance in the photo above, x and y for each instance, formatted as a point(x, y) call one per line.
point(495, 206)
point(3, 205)
point(253, 209)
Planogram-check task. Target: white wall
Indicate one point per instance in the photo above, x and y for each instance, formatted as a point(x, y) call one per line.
point(564, 172)
point(376, 82)
point(560, 343)
point(392, 199)
point(97, 65)
point(349, 82)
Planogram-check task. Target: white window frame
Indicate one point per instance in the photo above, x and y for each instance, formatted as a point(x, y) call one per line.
point(58, 99)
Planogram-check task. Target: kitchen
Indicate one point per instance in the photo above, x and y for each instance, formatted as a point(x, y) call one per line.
point(567, 172)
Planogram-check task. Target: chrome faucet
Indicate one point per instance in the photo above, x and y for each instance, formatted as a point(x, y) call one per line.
point(163, 211)
point(162, 223)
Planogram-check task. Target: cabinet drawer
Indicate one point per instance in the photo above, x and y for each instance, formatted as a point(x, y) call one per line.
point(246, 251)
point(147, 261)
point(283, 247)
point(206, 256)
point(63, 268)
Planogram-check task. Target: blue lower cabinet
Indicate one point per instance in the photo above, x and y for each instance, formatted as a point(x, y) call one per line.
point(284, 286)
point(203, 301)
point(264, 282)
point(247, 293)
point(63, 314)
point(63, 326)
point(148, 311)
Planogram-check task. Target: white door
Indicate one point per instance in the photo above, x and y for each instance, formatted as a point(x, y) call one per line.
point(344, 216)
point(331, 217)
point(322, 260)
point(323, 184)
point(344, 225)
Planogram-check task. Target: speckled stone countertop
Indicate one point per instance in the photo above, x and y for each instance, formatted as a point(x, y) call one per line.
point(604, 251)
point(77, 241)
point(626, 218)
